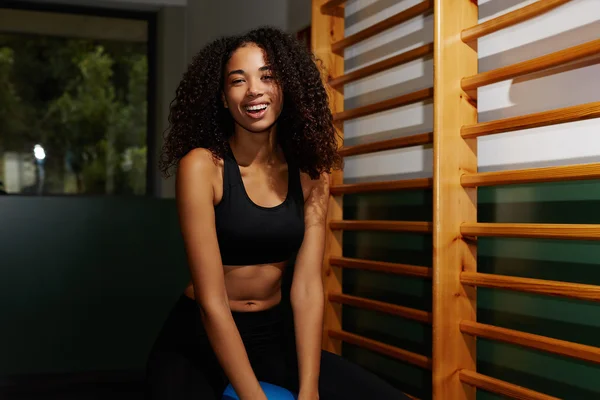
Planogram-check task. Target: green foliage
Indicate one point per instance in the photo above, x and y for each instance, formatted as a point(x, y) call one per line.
point(85, 102)
point(11, 107)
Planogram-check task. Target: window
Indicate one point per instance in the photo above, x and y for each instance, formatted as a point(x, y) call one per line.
point(73, 105)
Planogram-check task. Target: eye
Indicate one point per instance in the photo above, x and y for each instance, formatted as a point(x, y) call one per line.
point(267, 77)
point(237, 81)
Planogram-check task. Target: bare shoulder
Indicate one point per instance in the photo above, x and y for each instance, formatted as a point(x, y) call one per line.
point(315, 190)
point(316, 199)
point(199, 160)
point(200, 170)
point(318, 187)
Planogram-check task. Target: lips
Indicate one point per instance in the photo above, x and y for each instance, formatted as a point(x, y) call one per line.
point(256, 111)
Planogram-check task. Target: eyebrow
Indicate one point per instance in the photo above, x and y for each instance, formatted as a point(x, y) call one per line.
point(241, 71)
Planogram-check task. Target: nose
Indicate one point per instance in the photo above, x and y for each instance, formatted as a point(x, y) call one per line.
point(255, 88)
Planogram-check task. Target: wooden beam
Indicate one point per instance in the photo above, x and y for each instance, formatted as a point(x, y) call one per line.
point(562, 57)
point(403, 100)
point(384, 226)
point(552, 117)
point(389, 144)
point(493, 385)
point(532, 341)
point(385, 186)
point(331, 4)
point(509, 19)
point(382, 26)
point(532, 175)
point(328, 29)
point(452, 204)
point(383, 348)
point(532, 231)
point(380, 66)
point(579, 291)
point(380, 306)
point(382, 266)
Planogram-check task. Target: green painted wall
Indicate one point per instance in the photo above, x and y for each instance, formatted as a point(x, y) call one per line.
point(411, 292)
point(571, 261)
point(85, 283)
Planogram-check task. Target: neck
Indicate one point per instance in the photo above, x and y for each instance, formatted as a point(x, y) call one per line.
point(255, 148)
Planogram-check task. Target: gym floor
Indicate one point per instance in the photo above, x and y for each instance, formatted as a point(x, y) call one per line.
point(120, 391)
point(123, 389)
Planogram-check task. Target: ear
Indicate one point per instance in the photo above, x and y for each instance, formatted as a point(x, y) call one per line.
point(224, 100)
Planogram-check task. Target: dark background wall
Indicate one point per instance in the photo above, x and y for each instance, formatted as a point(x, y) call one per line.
point(85, 283)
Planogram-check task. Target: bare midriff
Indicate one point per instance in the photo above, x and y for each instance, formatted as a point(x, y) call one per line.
point(251, 287)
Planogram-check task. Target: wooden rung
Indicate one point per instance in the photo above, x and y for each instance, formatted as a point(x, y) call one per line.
point(570, 290)
point(406, 184)
point(544, 118)
point(381, 266)
point(390, 144)
point(388, 226)
point(384, 25)
point(388, 308)
point(501, 387)
point(385, 105)
point(540, 231)
point(509, 19)
point(537, 342)
point(380, 66)
point(532, 175)
point(331, 4)
point(530, 66)
point(382, 348)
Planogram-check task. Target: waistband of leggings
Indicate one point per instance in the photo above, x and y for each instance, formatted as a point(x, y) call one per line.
point(272, 314)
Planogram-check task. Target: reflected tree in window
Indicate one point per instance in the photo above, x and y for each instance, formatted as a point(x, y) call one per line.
point(84, 103)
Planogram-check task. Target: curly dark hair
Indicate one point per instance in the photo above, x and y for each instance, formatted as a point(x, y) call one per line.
point(305, 129)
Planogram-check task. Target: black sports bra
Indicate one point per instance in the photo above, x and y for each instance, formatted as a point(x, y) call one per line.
point(250, 234)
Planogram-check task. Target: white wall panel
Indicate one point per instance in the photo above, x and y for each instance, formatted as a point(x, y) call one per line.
point(571, 24)
point(415, 75)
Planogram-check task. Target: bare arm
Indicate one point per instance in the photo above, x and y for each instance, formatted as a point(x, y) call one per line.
point(195, 203)
point(307, 289)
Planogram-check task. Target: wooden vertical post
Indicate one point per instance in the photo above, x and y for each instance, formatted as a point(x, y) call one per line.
point(453, 204)
point(328, 28)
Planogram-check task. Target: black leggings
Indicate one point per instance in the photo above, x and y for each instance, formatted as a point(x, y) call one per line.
point(183, 366)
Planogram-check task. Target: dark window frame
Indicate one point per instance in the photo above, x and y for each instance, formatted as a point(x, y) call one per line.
point(151, 19)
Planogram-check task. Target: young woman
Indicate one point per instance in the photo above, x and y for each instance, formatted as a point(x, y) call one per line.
point(253, 140)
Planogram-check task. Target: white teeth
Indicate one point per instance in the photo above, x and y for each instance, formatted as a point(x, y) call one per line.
point(257, 107)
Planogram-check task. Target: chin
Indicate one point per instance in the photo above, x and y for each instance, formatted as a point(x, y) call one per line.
point(259, 126)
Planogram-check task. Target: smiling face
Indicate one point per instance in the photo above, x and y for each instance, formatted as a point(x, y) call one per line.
point(250, 92)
